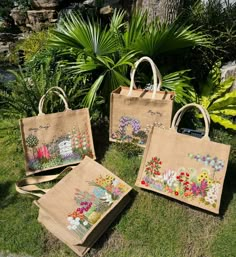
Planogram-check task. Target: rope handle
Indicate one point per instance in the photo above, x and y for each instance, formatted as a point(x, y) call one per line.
point(179, 114)
point(156, 75)
point(28, 185)
point(61, 94)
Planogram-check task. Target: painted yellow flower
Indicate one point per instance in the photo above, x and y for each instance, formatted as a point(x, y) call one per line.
point(203, 176)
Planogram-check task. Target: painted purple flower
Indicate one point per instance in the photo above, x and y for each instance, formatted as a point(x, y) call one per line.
point(195, 189)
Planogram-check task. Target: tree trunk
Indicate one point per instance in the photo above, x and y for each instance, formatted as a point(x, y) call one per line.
point(166, 10)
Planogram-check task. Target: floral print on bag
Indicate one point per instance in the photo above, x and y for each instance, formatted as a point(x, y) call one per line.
point(91, 206)
point(138, 135)
point(72, 147)
point(186, 182)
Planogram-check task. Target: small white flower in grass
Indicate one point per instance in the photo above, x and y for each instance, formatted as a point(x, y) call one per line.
point(84, 148)
point(85, 223)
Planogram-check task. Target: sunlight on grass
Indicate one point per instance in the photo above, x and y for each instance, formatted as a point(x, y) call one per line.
point(152, 225)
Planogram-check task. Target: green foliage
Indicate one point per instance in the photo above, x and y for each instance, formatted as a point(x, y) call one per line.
point(217, 19)
point(96, 50)
point(155, 38)
point(34, 43)
point(128, 149)
point(107, 52)
point(215, 97)
point(20, 98)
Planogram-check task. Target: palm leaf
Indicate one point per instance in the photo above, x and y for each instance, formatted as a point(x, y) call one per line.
point(75, 32)
point(91, 95)
point(179, 83)
point(161, 38)
point(135, 28)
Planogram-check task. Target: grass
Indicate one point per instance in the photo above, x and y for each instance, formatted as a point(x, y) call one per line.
point(151, 226)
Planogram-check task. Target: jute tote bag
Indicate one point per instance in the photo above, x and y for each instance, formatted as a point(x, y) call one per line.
point(186, 168)
point(133, 112)
point(81, 206)
point(56, 139)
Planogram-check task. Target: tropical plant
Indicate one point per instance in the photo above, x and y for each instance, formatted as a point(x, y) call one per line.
point(107, 52)
point(31, 45)
point(96, 50)
point(20, 98)
point(215, 97)
point(217, 19)
point(157, 38)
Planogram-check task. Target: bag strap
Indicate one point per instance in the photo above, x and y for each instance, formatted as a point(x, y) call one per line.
point(156, 75)
point(28, 185)
point(53, 90)
point(179, 114)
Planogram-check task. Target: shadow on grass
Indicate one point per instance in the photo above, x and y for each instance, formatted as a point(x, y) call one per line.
point(229, 188)
point(100, 138)
point(6, 196)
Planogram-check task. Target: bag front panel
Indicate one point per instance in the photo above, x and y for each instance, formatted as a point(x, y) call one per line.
point(55, 140)
point(188, 169)
point(83, 198)
point(81, 249)
point(132, 118)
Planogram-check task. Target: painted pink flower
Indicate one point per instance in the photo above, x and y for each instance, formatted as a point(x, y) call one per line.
point(43, 152)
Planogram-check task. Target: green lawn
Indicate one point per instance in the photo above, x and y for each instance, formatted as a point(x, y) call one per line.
point(151, 226)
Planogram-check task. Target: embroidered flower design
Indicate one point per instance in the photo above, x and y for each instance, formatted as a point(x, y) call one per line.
point(91, 206)
point(189, 183)
point(207, 160)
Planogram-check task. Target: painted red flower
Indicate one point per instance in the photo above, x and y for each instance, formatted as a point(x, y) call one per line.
point(182, 173)
point(160, 163)
point(187, 174)
point(176, 193)
point(178, 177)
point(158, 173)
point(143, 182)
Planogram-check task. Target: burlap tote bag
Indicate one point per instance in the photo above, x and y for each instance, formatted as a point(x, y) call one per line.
point(133, 112)
point(57, 139)
point(186, 168)
point(81, 206)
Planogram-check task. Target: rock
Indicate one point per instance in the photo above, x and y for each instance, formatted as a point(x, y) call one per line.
point(89, 2)
point(8, 37)
point(7, 40)
point(38, 19)
point(45, 4)
point(229, 70)
point(19, 16)
point(106, 10)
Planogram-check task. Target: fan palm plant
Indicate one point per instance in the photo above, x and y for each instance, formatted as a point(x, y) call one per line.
point(107, 52)
point(157, 37)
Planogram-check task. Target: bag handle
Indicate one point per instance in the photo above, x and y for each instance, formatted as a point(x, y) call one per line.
point(28, 185)
point(53, 90)
point(156, 75)
point(179, 114)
